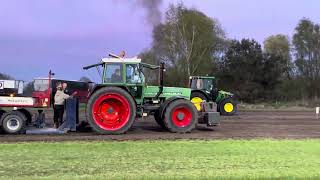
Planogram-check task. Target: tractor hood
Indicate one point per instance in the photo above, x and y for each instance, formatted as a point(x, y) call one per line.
point(151, 91)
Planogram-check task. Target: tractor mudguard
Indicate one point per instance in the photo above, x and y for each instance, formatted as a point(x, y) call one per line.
point(205, 93)
point(95, 88)
point(222, 95)
point(166, 103)
point(99, 86)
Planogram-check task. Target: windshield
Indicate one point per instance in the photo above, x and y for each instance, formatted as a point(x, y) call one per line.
point(41, 84)
point(113, 73)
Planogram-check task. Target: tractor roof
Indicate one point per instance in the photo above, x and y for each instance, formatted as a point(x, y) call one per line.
point(121, 60)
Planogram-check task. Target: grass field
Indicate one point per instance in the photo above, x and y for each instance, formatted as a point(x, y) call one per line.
point(240, 159)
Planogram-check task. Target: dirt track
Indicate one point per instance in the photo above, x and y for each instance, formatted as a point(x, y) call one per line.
point(246, 125)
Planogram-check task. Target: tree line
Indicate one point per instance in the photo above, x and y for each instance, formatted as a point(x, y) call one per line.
point(283, 69)
point(189, 42)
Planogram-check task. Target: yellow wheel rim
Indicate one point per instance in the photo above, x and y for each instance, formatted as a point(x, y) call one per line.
point(197, 102)
point(228, 107)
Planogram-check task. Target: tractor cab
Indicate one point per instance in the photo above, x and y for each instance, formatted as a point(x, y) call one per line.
point(116, 72)
point(123, 72)
point(205, 84)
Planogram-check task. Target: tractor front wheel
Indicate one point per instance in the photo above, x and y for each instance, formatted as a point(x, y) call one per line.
point(180, 116)
point(111, 110)
point(197, 98)
point(228, 107)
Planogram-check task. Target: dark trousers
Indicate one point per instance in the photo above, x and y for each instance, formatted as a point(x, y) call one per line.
point(58, 114)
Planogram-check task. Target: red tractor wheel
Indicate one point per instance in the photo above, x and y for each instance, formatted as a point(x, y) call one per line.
point(180, 116)
point(111, 110)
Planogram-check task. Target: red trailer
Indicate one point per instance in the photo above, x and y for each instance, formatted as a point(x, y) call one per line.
point(14, 109)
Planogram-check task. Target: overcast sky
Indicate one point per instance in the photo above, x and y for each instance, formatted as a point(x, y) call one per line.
point(64, 35)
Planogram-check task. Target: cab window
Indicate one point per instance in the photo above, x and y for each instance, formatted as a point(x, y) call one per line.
point(113, 73)
point(207, 84)
point(133, 75)
point(197, 84)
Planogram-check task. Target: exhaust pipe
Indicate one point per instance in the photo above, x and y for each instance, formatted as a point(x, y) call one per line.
point(161, 73)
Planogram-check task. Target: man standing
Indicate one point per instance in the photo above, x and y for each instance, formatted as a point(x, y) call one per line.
point(59, 100)
point(65, 88)
point(122, 54)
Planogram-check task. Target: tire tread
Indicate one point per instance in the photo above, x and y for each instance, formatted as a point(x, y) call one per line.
point(168, 121)
point(105, 90)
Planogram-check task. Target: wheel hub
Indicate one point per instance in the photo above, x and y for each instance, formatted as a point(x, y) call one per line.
point(228, 107)
point(13, 124)
point(110, 110)
point(180, 116)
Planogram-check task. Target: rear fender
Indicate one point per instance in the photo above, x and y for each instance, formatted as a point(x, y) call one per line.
point(206, 94)
point(99, 86)
point(222, 95)
point(95, 88)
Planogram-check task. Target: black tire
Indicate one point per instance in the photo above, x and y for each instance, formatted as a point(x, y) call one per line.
point(159, 120)
point(169, 120)
point(105, 91)
point(199, 95)
point(27, 114)
point(13, 122)
point(222, 109)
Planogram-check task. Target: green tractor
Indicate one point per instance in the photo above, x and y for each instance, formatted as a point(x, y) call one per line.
point(123, 96)
point(204, 89)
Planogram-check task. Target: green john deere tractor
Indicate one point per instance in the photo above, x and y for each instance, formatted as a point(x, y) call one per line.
point(204, 89)
point(124, 96)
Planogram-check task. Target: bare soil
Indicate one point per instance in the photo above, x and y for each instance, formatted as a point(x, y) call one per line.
point(245, 125)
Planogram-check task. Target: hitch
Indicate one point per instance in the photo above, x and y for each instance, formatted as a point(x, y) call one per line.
point(208, 114)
